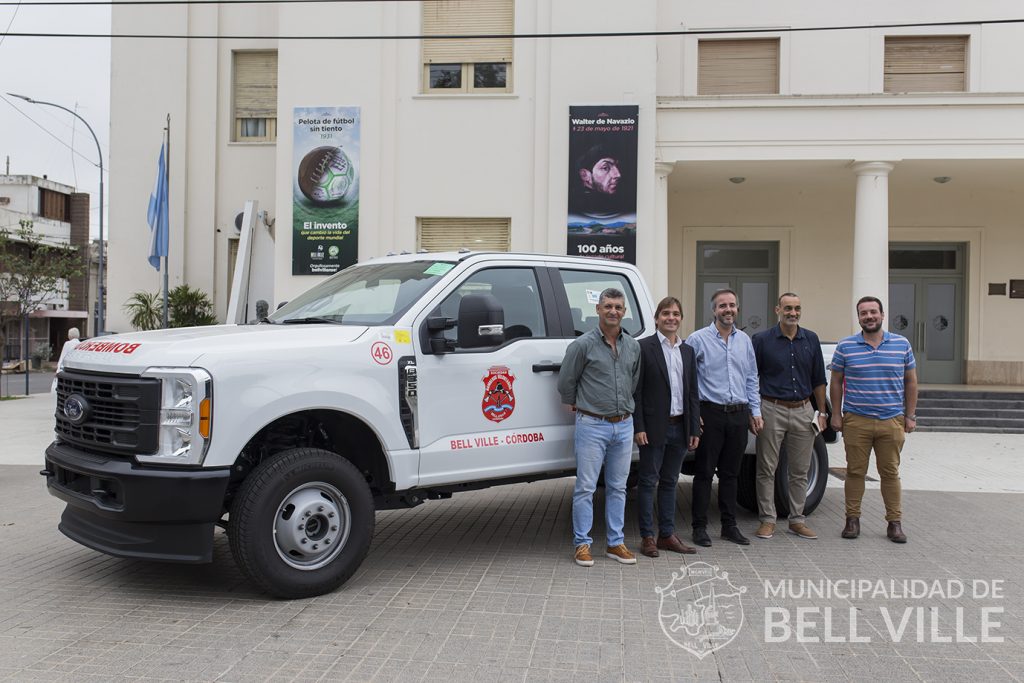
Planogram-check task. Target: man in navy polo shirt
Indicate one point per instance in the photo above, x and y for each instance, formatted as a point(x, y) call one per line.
point(874, 396)
point(791, 373)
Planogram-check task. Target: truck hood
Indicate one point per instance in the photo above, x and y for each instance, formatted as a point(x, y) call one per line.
point(134, 353)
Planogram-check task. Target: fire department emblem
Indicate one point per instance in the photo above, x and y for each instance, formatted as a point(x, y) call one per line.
point(701, 610)
point(499, 398)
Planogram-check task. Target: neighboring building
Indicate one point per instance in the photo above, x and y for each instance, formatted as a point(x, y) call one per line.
point(60, 216)
point(835, 163)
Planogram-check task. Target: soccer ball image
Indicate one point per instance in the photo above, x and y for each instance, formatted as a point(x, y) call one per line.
point(326, 175)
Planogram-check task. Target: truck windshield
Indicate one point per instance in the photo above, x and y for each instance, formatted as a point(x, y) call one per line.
point(372, 294)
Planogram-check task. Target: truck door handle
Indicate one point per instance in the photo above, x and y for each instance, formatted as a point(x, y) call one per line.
point(547, 367)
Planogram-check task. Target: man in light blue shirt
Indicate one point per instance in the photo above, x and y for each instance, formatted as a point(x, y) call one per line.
point(730, 404)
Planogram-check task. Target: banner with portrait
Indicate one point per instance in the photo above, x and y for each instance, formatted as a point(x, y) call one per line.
point(602, 181)
point(325, 189)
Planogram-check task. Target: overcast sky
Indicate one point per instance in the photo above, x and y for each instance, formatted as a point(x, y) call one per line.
point(70, 72)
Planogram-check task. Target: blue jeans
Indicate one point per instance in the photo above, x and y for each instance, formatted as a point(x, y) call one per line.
point(598, 443)
point(659, 467)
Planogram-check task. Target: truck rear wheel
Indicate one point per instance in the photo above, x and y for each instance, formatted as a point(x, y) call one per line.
point(817, 478)
point(301, 523)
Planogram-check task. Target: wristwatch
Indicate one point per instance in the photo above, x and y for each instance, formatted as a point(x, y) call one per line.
point(912, 417)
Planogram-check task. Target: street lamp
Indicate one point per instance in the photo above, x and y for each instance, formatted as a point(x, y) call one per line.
point(100, 323)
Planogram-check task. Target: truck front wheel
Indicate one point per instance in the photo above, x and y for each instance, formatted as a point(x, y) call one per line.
point(301, 523)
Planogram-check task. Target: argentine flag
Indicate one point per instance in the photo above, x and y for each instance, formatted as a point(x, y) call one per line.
point(157, 215)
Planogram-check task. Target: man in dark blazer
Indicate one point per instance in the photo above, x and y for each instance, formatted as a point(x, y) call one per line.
point(666, 423)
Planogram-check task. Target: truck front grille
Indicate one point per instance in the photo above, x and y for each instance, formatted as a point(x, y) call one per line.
point(121, 414)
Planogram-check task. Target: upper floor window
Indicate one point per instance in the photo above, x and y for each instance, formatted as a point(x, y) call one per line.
point(461, 65)
point(452, 234)
point(925, 64)
point(255, 96)
point(54, 205)
point(738, 67)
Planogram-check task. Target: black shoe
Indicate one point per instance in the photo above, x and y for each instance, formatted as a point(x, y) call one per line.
point(895, 533)
point(852, 528)
point(732, 533)
point(701, 538)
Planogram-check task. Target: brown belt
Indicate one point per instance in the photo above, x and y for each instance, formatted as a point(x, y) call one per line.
point(675, 419)
point(788, 404)
point(607, 418)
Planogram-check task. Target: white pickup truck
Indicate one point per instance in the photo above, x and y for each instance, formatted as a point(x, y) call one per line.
point(396, 381)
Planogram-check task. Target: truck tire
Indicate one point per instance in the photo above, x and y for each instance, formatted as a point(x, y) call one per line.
point(301, 523)
point(817, 478)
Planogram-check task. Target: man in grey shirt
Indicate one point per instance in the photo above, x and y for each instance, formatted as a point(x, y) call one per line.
point(598, 377)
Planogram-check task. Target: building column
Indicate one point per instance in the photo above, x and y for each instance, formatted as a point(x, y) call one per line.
point(659, 279)
point(871, 231)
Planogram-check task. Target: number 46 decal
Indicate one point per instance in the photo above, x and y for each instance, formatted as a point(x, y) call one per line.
point(381, 353)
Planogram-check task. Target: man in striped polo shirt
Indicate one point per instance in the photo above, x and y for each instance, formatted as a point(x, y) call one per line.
point(874, 397)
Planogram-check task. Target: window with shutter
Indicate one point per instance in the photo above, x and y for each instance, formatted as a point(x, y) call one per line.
point(255, 96)
point(925, 64)
point(54, 205)
point(452, 234)
point(453, 62)
point(738, 67)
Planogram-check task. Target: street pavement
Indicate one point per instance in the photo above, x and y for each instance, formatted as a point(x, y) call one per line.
point(483, 587)
point(38, 383)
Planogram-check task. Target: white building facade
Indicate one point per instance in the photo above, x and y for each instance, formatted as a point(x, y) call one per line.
point(59, 216)
point(879, 154)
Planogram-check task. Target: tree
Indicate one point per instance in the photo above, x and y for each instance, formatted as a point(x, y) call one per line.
point(187, 307)
point(31, 272)
point(145, 311)
point(190, 307)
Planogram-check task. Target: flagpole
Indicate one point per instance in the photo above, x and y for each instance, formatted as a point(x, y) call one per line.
point(167, 175)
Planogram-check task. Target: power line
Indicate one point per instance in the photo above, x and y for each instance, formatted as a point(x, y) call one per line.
point(10, 23)
point(516, 36)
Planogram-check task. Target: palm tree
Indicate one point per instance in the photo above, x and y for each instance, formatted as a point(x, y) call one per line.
point(145, 311)
point(190, 307)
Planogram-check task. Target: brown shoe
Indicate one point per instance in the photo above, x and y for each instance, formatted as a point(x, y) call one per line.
point(895, 533)
point(621, 553)
point(766, 530)
point(802, 530)
point(583, 556)
point(852, 528)
point(672, 542)
point(648, 547)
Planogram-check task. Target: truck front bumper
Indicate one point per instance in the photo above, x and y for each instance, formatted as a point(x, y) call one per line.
point(126, 510)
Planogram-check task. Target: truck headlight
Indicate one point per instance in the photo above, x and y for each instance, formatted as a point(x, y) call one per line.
point(186, 416)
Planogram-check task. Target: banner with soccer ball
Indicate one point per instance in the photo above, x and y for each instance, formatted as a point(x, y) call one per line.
point(325, 206)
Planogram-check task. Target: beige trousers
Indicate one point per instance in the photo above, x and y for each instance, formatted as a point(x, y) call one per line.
point(860, 435)
point(793, 425)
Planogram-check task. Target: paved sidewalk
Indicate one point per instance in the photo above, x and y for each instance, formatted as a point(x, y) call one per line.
point(483, 587)
point(26, 428)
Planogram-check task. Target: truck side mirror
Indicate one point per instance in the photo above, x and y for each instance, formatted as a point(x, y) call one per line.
point(438, 342)
point(481, 321)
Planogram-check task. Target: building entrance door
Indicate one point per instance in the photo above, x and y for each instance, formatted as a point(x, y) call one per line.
point(926, 305)
point(751, 269)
